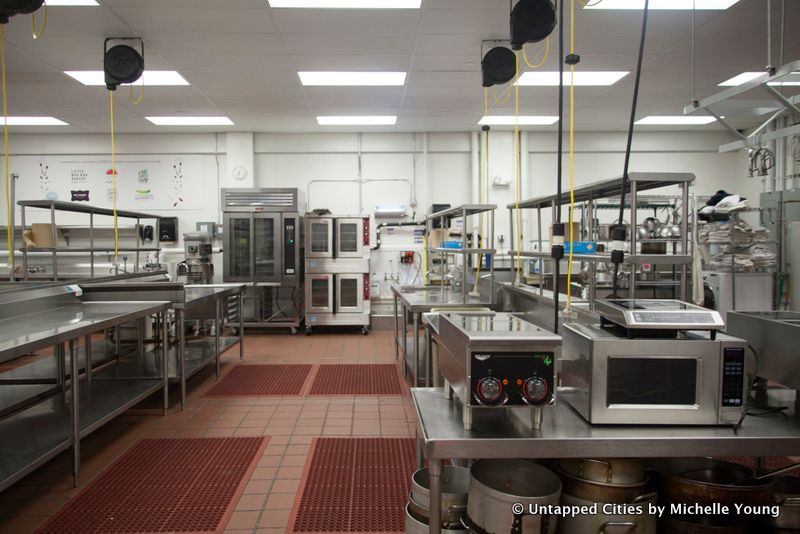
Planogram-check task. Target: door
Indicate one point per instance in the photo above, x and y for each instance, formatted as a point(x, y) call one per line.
point(266, 249)
point(349, 238)
point(319, 238)
point(319, 293)
point(349, 293)
point(238, 243)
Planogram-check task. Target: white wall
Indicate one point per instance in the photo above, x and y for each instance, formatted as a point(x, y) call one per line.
point(395, 169)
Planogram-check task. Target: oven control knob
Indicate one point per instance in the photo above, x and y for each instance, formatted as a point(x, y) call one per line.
point(535, 390)
point(490, 390)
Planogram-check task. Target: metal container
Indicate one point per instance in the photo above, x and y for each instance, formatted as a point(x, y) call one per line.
point(496, 485)
point(600, 491)
point(416, 524)
point(608, 523)
point(699, 525)
point(606, 470)
point(455, 490)
point(786, 493)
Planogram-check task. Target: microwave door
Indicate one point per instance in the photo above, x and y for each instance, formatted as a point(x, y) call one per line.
point(319, 293)
point(349, 238)
point(319, 238)
point(349, 293)
point(238, 246)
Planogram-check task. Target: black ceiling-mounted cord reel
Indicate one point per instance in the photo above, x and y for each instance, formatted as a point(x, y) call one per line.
point(122, 63)
point(9, 8)
point(499, 66)
point(532, 21)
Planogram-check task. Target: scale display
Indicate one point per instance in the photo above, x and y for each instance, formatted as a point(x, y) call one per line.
point(658, 314)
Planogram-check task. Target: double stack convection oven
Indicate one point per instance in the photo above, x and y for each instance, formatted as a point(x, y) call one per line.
point(337, 250)
point(263, 248)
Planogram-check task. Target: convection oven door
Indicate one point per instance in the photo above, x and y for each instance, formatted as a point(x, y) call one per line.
point(349, 293)
point(319, 293)
point(319, 238)
point(350, 238)
point(267, 265)
point(238, 246)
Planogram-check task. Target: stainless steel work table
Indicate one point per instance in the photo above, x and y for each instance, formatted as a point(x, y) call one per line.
point(415, 301)
point(189, 302)
point(51, 317)
point(564, 434)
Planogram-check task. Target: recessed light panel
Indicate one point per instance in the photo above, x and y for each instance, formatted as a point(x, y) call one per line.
point(347, 4)
point(675, 120)
point(586, 78)
point(792, 79)
point(366, 120)
point(662, 4)
point(52, 3)
point(150, 77)
point(347, 78)
point(524, 120)
point(190, 121)
point(34, 121)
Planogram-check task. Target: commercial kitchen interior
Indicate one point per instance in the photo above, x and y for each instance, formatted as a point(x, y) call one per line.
point(295, 266)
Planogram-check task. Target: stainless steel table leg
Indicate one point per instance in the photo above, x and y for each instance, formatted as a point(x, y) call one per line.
point(396, 329)
point(87, 342)
point(428, 359)
point(418, 450)
point(180, 327)
point(217, 321)
point(61, 364)
point(435, 472)
point(75, 401)
point(140, 326)
point(165, 357)
point(405, 345)
point(117, 341)
point(241, 325)
point(417, 362)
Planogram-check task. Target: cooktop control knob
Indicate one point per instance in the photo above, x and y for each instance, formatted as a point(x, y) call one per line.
point(490, 390)
point(535, 390)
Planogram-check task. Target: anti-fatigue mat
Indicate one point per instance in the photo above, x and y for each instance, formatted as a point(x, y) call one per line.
point(772, 463)
point(357, 379)
point(355, 485)
point(262, 381)
point(164, 485)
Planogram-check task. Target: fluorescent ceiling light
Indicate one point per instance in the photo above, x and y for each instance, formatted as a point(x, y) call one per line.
point(662, 4)
point(190, 121)
point(34, 121)
point(544, 78)
point(345, 78)
point(672, 120)
point(348, 4)
point(51, 3)
point(524, 120)
point(792, 79)
point(365, 120)
point(150, 77)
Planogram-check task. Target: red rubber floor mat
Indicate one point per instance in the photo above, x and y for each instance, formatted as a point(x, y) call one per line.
point(357, 379)
point(355, 485)
point(770, 464)
point(164, 485)
point(262, 381)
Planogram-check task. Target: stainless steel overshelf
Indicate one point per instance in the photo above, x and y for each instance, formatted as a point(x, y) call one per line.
point(447, 250)
point(644, 181)
point(565, 434)
point(418, 301)
point(84, 208)
point(459, 211)
point(25, 334)
point(39, 433)
point(636, 259)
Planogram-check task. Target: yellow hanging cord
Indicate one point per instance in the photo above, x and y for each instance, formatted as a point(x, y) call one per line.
point(544, 59)
point(137, 101)
point(9, 207)
point(503, 99)
point(33, 23)
point(114, 177)
point(517, 166)
point(571, 152)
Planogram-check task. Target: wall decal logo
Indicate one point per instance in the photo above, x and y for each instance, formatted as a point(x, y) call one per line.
point(144, 176)
point(144, 194)
point(80, 196)
point(45, 183)
point(177, 184)
point(79, 176)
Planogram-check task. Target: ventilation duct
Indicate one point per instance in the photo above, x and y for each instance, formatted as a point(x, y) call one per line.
point(9, 8)
point(499, 66)
point(531, 22)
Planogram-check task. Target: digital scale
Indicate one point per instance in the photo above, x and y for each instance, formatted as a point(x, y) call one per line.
point(637, 316)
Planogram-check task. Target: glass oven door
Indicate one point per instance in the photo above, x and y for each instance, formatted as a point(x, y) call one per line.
point(319, 238)
point(238, 246)
point(349, 238)
point(319, 293)
point(266, 247)
point(349, 293)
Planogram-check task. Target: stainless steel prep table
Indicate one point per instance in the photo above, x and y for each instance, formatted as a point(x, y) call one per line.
point(415, 301)
point(565, 434)
point(202, 302)
point(34, 319)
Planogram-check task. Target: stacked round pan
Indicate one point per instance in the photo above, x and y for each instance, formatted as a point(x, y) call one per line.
point(455, 488)
point(605, 481)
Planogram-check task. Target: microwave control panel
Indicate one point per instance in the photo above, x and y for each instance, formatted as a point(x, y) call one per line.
point(512, 378)
point(733, 376)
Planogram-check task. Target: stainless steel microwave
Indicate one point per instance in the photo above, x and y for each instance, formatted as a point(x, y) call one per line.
point(690, 380)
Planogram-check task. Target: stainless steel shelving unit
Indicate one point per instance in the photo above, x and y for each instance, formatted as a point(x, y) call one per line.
point(589, 195)
point(55, 206)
